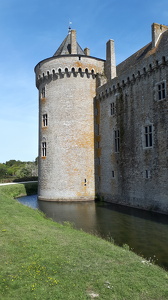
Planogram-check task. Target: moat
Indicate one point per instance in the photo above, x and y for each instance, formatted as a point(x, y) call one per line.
point(146, 233)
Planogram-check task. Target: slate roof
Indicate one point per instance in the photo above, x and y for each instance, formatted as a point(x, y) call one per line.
point(143, 53)
point(65, 47)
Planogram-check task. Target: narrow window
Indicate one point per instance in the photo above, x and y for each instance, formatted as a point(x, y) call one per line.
point(161, 90)
point(85, 182)
point(98, 131)
point(43, 92)
point(117, 140)
point(45, 120)
point(163, 59)
point(148, 136)
point(44, 148)
point(96, 112)
point(147, 174)
point(112, 174)
point(112, 108)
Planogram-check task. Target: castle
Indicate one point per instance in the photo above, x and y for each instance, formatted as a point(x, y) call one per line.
point(103, 129)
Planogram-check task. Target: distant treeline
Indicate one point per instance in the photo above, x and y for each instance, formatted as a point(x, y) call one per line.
point(16, 170)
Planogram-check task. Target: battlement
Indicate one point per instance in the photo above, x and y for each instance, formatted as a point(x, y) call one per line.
point(61, 73)
point(68, 66)
point(130, 79)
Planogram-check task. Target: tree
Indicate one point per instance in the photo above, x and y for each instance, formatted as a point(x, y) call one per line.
point(3, 171)
point(18, 169)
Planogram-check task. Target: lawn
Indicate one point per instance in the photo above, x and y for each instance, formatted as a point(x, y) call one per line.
point(41, 259)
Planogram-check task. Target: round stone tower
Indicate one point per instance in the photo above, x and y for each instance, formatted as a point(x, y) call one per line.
point(67, 87)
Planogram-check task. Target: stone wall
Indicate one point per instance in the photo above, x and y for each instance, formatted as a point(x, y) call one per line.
point(136, 175)
point(66, 171)
point(106, 127)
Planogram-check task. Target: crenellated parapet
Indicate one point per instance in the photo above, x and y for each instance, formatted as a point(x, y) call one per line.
point(64, 66)
point(61, 73)
point(130, 78)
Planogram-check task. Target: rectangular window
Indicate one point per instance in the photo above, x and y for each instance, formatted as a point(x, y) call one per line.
point(112, 108)
point(45, 120)
point(147, 174)
point(161, 90)
point(43, 92)
point(148, 136)
point(112, 174)
point(117, 140)
point(44, 148)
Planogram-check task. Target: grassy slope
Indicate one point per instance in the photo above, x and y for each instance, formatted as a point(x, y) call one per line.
point(40, 259)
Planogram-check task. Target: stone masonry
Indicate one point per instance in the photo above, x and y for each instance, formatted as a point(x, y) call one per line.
point(103, 128)
point(67, 87)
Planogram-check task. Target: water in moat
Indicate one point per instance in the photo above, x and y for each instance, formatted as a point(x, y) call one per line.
point(146, 233)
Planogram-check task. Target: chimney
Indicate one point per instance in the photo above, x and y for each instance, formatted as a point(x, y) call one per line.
point(73, 42)
point(87, 51)
point(110, 65)
point(157, 30)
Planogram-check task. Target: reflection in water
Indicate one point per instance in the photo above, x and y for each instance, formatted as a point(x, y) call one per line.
point(146, 233)
point(30, 201)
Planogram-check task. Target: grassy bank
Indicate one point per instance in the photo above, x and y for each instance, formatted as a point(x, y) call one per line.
point(18, 190)
point(41, 259)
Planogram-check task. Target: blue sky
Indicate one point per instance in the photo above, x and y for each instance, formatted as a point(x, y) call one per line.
point(33, 30)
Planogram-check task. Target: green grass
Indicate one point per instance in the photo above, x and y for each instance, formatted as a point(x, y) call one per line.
point(18, 190)
point(41, 259)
